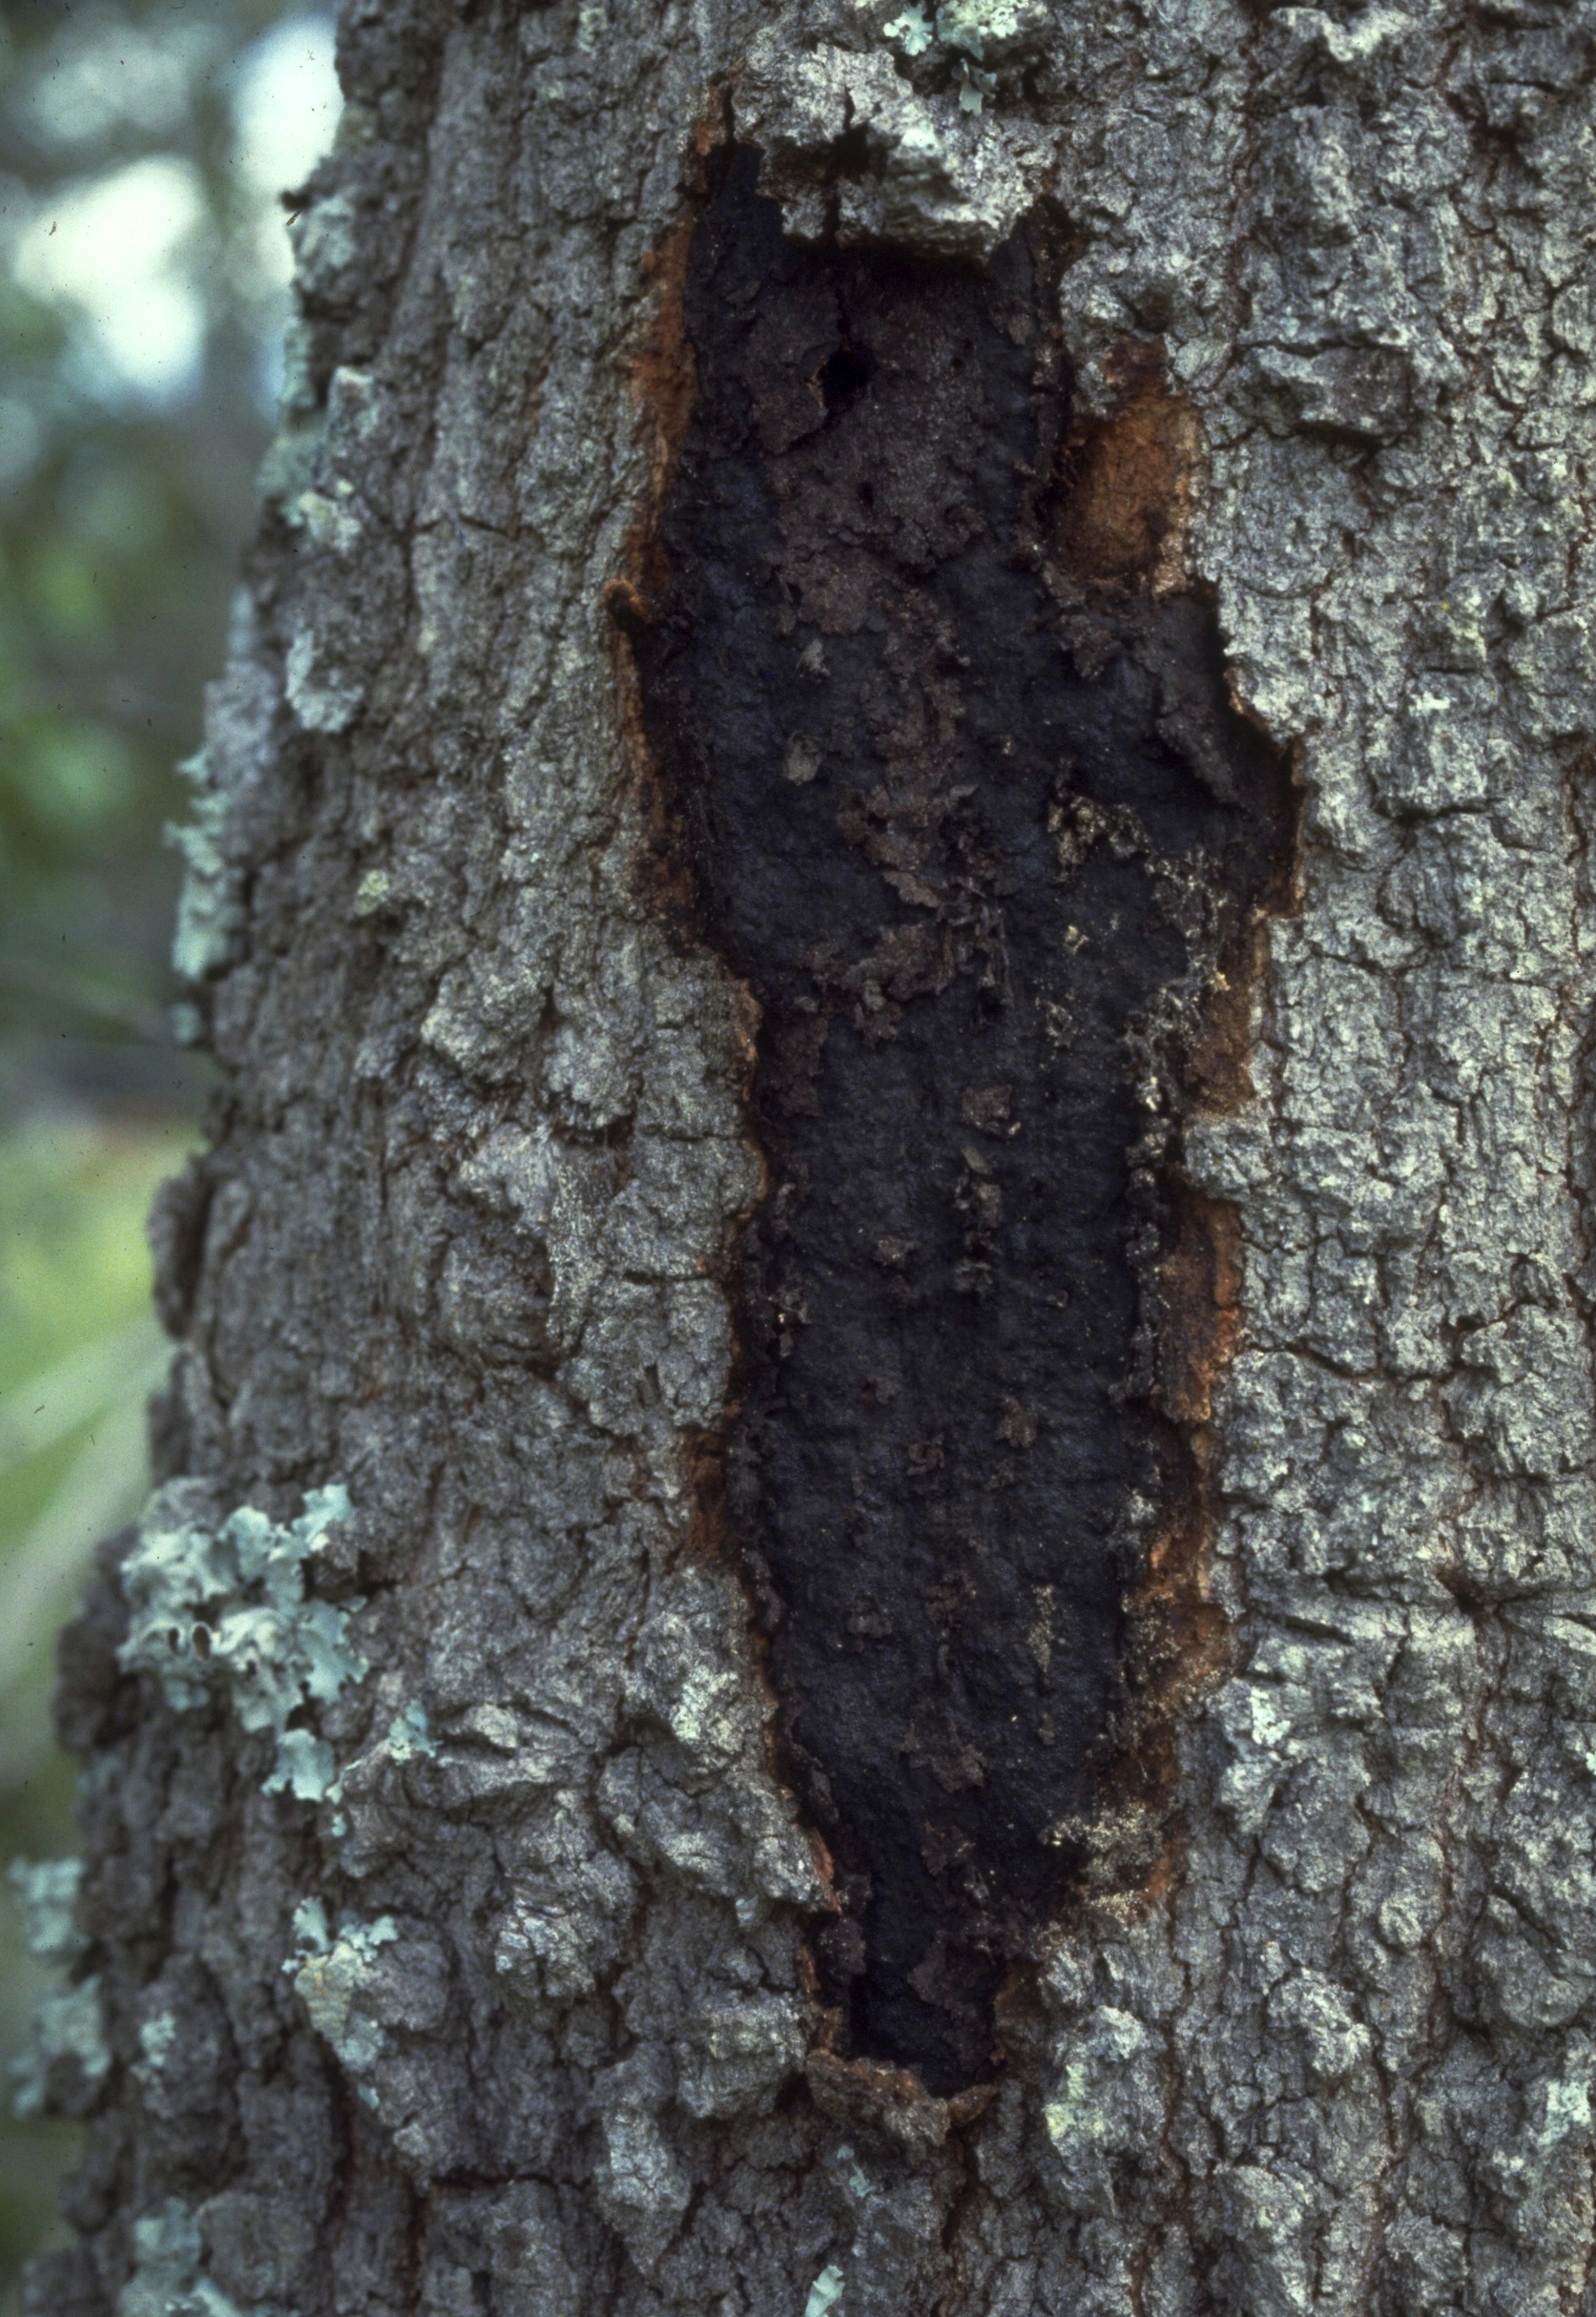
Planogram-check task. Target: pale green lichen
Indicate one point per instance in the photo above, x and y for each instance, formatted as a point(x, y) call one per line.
point(329, 1976)
point(966, 27)
point(825, 2292)
point(310, 1932)
point(330, 525)
point(210, 906)
point(65, 2026)
point(975, 88)
point(1107, 2099)
point(288, 470)
point(46, 1894)
point(156, 2039)
point(975, 25)
point(373, 893)
point(855, 2179)
point(911, 30)
point(409, 1739)
point(226, 1609)
point(322, 700)
point(978, 32)
point(168, 2278)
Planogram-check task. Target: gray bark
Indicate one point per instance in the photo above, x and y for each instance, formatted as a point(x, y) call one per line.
point(482, 1985)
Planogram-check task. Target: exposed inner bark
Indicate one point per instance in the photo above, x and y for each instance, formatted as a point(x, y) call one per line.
point(979, 852)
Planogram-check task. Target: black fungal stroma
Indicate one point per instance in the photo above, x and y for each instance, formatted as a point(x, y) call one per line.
point(978, 893)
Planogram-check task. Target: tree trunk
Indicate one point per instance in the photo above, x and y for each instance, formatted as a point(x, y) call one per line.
point(874, 1583)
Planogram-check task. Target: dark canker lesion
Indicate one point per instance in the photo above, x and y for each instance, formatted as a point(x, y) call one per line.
point(951, 784)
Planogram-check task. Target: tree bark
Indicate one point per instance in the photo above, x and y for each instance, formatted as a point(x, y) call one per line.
point(891, 883)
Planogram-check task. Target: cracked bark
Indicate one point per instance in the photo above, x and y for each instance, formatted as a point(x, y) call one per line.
point(1271, 447)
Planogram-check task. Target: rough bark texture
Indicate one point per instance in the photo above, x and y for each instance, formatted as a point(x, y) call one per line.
point(454, 1898)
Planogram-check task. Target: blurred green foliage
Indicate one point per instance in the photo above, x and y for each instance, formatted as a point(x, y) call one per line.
point(79, 1351)
point(141, 302)
point(143, 272)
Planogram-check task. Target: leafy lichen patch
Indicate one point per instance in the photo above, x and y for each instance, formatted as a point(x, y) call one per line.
point(224, 1609)
point(169, 2278)
point(330, 1975)
point(46, 1894)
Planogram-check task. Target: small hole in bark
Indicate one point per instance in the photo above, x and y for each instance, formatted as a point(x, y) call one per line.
point(844, 376)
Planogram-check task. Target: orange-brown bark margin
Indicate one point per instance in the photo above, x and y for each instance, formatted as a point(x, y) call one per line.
point(663, 386)
point(1128, 487)
point(1128, 484)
